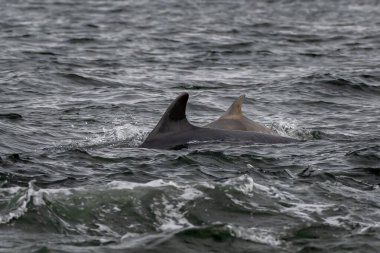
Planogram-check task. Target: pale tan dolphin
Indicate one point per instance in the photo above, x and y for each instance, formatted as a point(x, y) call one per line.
point(233, 119)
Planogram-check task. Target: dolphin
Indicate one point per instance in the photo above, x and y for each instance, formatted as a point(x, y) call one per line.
point(234, 119)
point(174, 131)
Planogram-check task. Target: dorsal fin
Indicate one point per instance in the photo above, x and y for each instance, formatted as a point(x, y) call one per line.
point(235, 108)
point(174, 119)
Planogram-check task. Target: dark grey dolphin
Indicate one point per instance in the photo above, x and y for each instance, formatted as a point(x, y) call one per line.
point(233, 119)
point(174, 131)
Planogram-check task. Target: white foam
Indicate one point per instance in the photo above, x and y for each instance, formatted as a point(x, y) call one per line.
point(11, 190)
point(290, 128)
point(248, 186)
point(173, 218)
point(191, 193)
point(125, 185)
point(168, 212)
point(305, 210)
point(132, 240)
point(29, 194)
point(255, 235)
point(206, 185)
point(242, 203)
point(129, 133)
point(243, 184)
point(82, 228)
point(105, 229)
point(167, 209)
point(335, 221)
point(125, 132)
point(129, 236)
point(19, 211)
point(38, 196)
point(298, 207)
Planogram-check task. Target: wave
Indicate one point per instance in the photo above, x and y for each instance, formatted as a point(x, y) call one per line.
point(125, 134)
point(365, 155)
point(365, 83)
point(89, 81)
point(134, 215)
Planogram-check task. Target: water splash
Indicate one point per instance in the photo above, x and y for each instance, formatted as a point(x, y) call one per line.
point(129, 134)
point(292, 128)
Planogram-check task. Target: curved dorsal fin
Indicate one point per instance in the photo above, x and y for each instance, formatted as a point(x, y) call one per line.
point(174, 119)
point(235, 108)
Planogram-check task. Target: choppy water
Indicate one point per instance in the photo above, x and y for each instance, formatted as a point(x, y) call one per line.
point(90, 79)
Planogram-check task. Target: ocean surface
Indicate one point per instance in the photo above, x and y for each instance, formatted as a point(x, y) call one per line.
point(82, 83)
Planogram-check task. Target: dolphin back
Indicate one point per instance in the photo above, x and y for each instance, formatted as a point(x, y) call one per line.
point(174, 120)
point(174, 131)
point(234, 119)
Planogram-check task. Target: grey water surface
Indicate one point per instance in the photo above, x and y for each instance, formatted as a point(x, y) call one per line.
point(82, 83)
